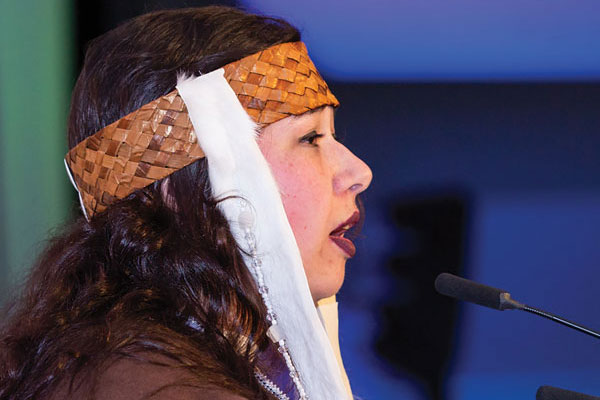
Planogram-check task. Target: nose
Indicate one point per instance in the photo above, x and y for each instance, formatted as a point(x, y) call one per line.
point(353, 175)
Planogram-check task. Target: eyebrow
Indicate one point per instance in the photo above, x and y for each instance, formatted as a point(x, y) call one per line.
point(314, 110)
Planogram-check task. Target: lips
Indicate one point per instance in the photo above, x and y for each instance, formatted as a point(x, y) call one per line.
point(337, 235)
point(345, 244)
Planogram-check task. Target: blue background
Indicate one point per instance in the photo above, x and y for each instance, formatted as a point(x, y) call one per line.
point(526, 156)
point(385, 40)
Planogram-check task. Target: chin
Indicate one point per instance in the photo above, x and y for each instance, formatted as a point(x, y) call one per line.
point(329, 285)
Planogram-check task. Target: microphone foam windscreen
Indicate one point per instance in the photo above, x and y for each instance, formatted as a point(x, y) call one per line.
point(466, 290)
point(553, 393)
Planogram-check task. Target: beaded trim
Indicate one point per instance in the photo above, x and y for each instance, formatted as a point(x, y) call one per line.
point(246, 221)
point(270, 386)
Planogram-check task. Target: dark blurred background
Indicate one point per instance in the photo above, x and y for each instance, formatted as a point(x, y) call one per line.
point(480, 121)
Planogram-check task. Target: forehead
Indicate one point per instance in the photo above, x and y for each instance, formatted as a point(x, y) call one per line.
point(321, 115)
point(317, 111)
point(320, 119)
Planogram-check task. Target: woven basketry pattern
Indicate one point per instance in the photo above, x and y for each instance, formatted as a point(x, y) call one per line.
point(131, 153)
point(278, 82)
point(158, 139)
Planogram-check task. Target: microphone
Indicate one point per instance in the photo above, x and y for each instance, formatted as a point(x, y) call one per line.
point(553, 393)
point(498, 299)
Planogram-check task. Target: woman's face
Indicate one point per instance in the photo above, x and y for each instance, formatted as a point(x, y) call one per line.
point(319, 179)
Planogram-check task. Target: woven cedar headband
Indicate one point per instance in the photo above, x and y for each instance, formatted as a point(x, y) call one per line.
point(157, 139)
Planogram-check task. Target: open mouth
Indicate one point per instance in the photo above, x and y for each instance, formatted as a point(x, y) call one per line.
point(337, 235)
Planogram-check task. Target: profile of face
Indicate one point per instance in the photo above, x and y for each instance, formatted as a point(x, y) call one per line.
point(319, 179)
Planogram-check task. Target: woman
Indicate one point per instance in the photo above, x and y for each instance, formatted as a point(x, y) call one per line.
point(203, 250)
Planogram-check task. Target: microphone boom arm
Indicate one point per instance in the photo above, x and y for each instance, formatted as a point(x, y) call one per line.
point(560, 320)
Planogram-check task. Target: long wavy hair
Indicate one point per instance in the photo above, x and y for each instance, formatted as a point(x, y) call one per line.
point(148, 274)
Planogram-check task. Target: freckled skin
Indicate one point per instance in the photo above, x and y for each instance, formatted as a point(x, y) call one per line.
point(319, 182)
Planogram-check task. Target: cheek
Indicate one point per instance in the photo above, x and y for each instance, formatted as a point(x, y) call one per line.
point(308, 198)
point(305, 197)
point(301, 199)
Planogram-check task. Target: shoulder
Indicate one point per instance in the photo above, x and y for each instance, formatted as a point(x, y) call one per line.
point(127, 378)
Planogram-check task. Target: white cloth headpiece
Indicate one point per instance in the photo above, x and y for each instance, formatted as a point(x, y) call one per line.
point(237, 168)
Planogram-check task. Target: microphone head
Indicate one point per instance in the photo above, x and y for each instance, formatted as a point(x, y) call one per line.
point(466, 290)
point(553, 393)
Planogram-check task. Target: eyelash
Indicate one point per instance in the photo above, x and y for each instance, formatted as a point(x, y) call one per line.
point(311, 138)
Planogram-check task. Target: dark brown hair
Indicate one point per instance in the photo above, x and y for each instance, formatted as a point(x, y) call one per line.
point(144, 276)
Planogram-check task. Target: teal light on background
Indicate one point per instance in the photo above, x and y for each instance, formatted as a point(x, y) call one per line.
point(35, 82)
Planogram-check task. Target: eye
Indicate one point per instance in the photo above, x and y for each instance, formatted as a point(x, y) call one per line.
point(311, 138)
